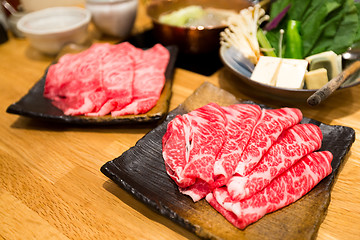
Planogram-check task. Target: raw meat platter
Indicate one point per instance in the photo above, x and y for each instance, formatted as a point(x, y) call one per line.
point(141, 172)
point(34, 105)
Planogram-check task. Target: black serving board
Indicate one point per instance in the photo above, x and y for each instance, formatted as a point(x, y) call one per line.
point(34, 105)
point(141, 172)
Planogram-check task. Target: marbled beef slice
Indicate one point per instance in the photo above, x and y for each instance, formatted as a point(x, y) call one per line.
point(202, 134)
point(282, 191)
point(293, 144)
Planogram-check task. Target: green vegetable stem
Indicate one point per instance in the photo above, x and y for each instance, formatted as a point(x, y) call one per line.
point(294, 47)
point(267, 49)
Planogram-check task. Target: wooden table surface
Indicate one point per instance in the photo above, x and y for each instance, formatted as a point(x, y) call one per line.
point(51, 186)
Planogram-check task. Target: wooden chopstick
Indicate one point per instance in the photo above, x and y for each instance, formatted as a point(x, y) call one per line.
point(324, 92)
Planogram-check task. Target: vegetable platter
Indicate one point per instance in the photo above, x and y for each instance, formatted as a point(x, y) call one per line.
point(294, 48)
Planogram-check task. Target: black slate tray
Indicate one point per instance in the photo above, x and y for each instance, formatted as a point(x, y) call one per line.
point(141, 172)
point(34, 105)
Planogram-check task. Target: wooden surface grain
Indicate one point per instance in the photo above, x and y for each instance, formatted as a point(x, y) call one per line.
point(51, 186)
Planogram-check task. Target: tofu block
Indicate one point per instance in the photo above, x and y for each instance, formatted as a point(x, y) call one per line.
point(316, 79)
point(266, 69)
point(291, 73)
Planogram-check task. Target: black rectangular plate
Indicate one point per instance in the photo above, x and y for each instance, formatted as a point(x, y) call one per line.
point(34, 105)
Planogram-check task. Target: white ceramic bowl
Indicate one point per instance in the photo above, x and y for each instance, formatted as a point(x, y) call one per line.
point(48, 30)
point(113, 17)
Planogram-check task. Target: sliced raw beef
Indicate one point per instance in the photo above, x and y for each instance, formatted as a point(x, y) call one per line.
point(293, 144)
point(75, 81)
point(75, 70)
point(117, 69)
point(272, 123)
point(191, 144)
point(175, 150)
point(282, 191)
point(148, 82)
point(100, 79)
point(241, 120)
point(81, 83)
point(197, 191)
point(81, 104)
point(126, 48)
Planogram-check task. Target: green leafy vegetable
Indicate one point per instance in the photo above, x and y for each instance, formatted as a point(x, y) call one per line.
point(357, 37)
point(277, 7)
point(326, 25)
point(312, 24)
point(340, 34)
point(296, 11)
point(274, 38)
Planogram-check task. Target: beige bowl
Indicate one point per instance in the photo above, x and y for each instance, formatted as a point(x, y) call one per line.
point(50, 29)
point(260, 90)
point(113, 17)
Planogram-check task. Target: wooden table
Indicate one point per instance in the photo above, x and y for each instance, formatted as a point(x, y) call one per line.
point(51, 186)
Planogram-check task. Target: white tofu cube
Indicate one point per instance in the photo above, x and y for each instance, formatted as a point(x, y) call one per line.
point(291, 73)
point(266, 69)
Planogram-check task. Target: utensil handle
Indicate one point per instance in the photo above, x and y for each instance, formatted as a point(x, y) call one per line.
point(324, 92)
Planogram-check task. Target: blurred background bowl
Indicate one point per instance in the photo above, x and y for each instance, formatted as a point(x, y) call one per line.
point(113, 17)
point(50, 29)
point(190, 40)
